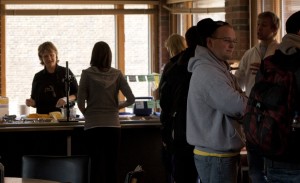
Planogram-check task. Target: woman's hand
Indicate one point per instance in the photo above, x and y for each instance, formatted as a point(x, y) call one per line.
point(30, 102)
point(61, 102)
point(254, 67)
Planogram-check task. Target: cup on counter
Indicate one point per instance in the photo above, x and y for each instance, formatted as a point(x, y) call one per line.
point(72, 113)
point(24, 110)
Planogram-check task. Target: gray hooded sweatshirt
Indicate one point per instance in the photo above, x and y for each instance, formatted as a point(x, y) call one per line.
point(215, 102)
point(100, 90)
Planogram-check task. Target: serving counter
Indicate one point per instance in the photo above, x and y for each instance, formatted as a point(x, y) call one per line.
point(40, 125)
point(140, 144)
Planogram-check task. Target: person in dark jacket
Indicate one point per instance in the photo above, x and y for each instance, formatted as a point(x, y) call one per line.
point(287, 56)
point(173, 98)
point(267, 27)
point(48, 91)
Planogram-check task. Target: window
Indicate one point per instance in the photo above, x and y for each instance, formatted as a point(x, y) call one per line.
point(137, 49)
point(209, 4)
point(74, 37)
point(288, 8)
point(283, 8)
point(186, 14)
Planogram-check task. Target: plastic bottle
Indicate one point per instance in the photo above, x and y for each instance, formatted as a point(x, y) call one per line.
point(296, 118)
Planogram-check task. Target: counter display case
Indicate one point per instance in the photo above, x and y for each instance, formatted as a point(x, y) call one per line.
point(140, 144)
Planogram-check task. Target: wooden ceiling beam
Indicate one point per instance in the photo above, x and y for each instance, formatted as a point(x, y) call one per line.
point(28, 12)
point(154, 2)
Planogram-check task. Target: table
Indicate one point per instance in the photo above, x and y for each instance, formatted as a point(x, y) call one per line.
point(25, 180)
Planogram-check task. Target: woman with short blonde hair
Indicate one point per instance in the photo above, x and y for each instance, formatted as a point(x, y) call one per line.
point(175, 44)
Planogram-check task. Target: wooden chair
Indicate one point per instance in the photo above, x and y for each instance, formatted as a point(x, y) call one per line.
point(74, 169)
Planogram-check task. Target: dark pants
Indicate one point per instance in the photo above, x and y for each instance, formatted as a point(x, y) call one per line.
point(103, 148)
point(184, 165)
point(180, 165)
point(256, 166)
point(167, 159)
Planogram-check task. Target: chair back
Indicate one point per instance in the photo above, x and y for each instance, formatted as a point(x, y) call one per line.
point(72, 169)
point(135, 176)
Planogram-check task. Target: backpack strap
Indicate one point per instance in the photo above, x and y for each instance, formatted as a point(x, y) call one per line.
point(261, 70)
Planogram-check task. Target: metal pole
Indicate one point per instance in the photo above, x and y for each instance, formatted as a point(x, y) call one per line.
point(67, 85)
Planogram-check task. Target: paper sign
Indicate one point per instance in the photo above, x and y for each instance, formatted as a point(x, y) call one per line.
point(151, 104)
point(132, 78)
point(150, 78)
point(139, 104)
point(142, 78)
point(157, 104)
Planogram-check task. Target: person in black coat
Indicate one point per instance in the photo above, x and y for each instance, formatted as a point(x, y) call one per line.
point(287, 167)
point(48, 91)
point(174, 87)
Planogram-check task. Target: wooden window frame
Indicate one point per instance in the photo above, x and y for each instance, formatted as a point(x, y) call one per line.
point(119, 12)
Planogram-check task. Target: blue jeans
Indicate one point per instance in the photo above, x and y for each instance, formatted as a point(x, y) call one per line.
point(278, 172)
point(217, 170)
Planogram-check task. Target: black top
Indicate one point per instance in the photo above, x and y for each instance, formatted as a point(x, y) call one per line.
point(47, 88)
point(173, 91)
point(291, 63)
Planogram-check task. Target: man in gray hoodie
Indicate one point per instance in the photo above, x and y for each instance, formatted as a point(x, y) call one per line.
point(215, 104)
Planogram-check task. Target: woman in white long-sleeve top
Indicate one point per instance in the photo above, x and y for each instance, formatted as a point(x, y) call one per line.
point(98, 101)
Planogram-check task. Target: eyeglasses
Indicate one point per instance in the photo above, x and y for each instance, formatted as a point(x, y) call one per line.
point(226, 40)
point(221, 23)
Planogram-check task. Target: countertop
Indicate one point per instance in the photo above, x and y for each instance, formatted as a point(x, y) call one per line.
point(46, 124)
